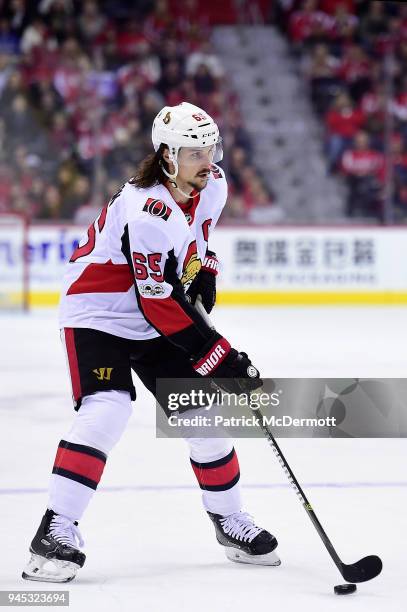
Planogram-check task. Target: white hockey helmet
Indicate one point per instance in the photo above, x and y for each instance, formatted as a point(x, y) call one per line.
point(185, 125)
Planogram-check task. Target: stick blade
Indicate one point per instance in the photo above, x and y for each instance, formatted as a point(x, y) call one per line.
point(363, 570)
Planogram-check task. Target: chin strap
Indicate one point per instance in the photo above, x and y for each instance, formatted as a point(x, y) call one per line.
point(174, 184)
point(172, 178)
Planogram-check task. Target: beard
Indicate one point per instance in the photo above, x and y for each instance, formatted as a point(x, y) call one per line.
point(199, 186)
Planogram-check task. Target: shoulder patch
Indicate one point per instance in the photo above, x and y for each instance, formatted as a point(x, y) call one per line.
point(157, 208)
point(216, 172)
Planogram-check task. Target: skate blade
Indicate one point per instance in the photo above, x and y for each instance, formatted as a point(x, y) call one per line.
point(239, 556)
point(34, 570)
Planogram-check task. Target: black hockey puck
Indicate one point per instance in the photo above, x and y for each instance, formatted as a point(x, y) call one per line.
point(344, 589)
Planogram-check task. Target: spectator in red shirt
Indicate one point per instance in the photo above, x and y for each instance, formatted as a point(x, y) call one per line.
point(363, 168)
point(129, 39)
point(342, 123)
point(305, 22)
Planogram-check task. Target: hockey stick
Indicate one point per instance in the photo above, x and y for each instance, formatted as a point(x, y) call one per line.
point(360, 571)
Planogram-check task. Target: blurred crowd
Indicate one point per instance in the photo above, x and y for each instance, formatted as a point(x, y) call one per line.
point(80, 83)
point(354, 55)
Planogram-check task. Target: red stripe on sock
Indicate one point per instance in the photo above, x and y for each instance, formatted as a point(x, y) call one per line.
point(218, 475)
point(73, 363)
point(80, 463)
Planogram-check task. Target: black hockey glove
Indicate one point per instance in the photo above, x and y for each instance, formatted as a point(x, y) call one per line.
point(205, 283)
point(233, 371)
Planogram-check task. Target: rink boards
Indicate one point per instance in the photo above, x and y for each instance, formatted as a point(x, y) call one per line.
point(259, 266)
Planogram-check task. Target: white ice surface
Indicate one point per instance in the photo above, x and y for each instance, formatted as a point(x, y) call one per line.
point(149, 545)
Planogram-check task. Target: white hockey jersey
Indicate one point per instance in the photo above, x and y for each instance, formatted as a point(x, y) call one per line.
point(129, 275)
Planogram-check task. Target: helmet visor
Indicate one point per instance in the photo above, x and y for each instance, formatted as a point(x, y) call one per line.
point(192, 156)
point(218, 151)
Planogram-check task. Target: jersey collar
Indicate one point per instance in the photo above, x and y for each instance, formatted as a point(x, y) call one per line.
point(188, 208)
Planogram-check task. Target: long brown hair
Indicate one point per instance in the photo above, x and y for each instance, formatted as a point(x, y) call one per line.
point(149, 171)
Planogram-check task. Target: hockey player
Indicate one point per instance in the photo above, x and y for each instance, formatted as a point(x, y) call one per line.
point(128, 304)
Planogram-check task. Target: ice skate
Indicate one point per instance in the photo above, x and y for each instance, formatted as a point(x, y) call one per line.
point(243, 541)
point(55, 546)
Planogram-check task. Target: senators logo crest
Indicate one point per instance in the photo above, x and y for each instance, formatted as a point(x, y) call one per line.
point(191, 267)
point(167, 118)
point(157, 208)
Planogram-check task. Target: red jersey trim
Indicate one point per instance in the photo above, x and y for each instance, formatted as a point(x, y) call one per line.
point(69, 336)
point(165, 314)
point(103, 278)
